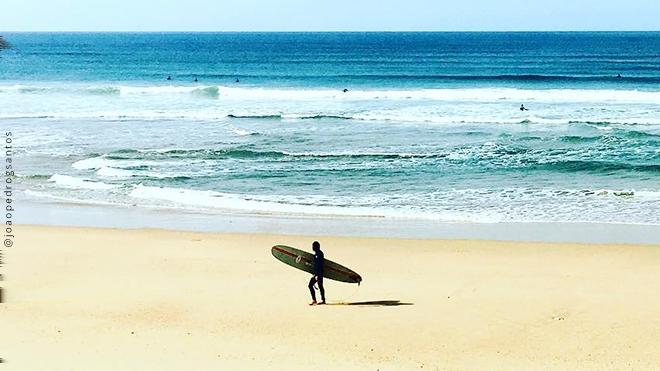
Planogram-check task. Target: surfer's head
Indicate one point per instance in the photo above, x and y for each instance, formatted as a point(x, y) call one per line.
point(316, 246)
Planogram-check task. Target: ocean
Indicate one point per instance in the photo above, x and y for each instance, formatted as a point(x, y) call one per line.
point(415, 126)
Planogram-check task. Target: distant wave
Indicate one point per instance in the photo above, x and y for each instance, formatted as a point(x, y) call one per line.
point(595, 166)
point(267, 117)
point(241, 154)
point(579, 139)
point(516, 78)
point(447, 77)
point(292, 116)
point(146, 164)
point(209, 91)
point(392, 116)
point(242, 132)
point(204, 91)
point(531, 158)
point(322, 117)
point(636, 134)
point(477, 94)
point(103, 90)
point(613, 132)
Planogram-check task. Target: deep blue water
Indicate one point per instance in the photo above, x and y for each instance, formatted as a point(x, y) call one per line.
point(430, 126)
point(341, 59)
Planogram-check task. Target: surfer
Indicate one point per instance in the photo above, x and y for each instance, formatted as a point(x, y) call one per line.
point(319, 260)
point(169, 77)
point(196, 79)
point(237, 80)
point(522, 108)
point(345, 90)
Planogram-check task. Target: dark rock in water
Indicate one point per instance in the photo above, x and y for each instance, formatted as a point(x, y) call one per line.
point(4, 44)
point(624, 193)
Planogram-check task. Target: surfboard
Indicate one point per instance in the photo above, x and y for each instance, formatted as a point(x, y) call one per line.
point(305, 262)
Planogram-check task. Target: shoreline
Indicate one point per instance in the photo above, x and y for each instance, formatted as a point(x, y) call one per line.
point(93, 298)
point(109, 216)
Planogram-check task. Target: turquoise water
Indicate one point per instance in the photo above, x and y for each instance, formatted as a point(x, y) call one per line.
point(430, 127)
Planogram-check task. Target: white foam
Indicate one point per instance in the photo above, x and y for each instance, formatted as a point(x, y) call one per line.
point(491, 94)
point(471, 94)
point(290, 205)
point(168, 89)
point(217, 200)
point(241, 132)
point(442, 106)
point(90, 163)
point(111, 172)
point(456, 205)
point(647, 195)
point(74, 200)
point(78, 183)
point(601, 127)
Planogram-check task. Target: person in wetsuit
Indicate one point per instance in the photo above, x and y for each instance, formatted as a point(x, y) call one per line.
point(319, 261)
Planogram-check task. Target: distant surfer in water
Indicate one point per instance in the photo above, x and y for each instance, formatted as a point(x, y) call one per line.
point(319, 261)
point(169, 77)
point(522, 108)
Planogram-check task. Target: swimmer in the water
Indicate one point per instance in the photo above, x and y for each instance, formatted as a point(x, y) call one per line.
point(522, 108)
point(169, 77)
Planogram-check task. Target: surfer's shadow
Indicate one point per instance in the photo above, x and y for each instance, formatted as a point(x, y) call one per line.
point(375, 303)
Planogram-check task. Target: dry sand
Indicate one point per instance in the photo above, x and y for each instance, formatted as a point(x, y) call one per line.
point(111, 299)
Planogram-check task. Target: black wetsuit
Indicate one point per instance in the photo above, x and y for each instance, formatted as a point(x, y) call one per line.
point(318, 272)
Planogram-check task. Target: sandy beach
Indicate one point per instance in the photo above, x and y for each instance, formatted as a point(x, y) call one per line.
point(109, 299)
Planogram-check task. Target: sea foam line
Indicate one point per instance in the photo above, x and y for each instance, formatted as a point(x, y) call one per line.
point(283, 205)
point(79, 183)
point(439, 94)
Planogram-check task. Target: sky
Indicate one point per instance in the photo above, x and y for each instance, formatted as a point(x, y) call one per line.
point(329, 15)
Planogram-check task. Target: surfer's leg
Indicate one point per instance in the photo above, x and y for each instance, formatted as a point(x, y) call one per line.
point(320, 282)
point(312, 281)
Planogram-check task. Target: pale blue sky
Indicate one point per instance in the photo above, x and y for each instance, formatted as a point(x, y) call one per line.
point(328, 15)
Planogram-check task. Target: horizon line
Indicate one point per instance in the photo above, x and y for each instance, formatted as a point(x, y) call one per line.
point(325, 31)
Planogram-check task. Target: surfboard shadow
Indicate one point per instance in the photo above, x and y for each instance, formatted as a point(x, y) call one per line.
point(375, 303)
